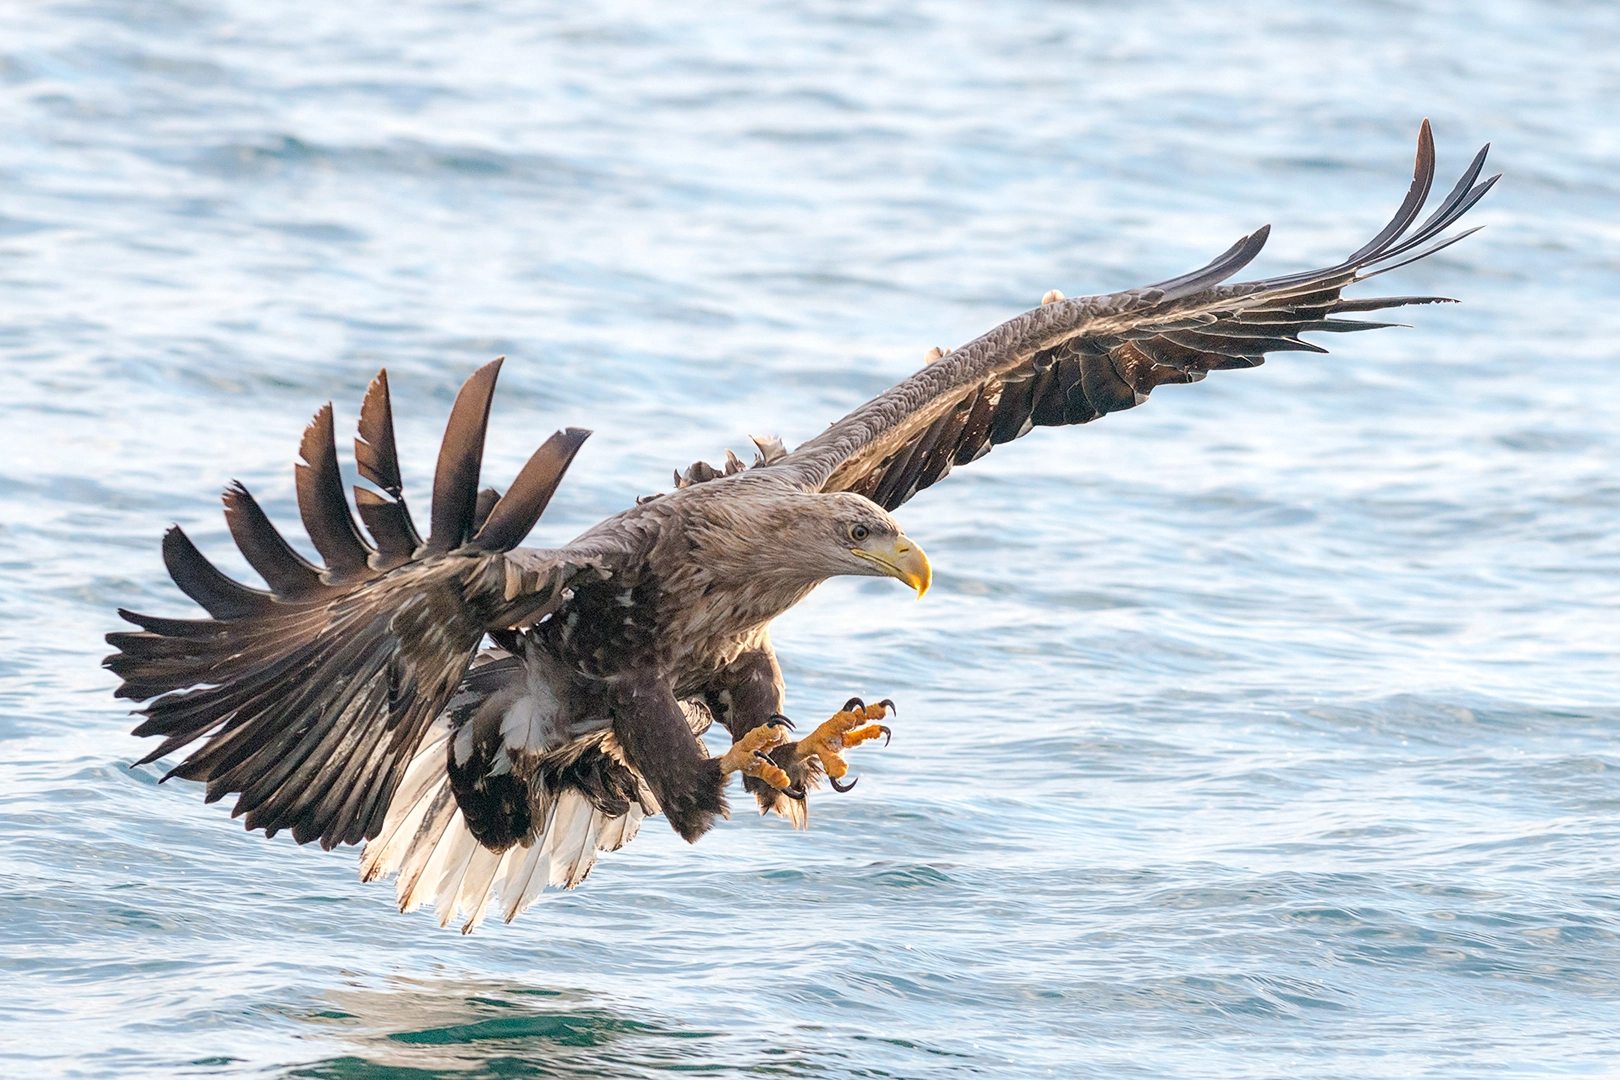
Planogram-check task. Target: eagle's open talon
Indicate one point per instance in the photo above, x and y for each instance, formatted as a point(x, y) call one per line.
point(841, 788)
point(778, 720)
point(848, 727)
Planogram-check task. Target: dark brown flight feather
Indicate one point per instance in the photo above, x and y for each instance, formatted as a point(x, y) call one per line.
point(289, 575)
point(324, 509)
point(309, 697)
point(461, 455)
point(1071, 361)
point(511, 518)
point(387, 518)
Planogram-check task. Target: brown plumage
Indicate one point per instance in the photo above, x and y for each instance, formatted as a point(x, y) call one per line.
point(352, 702)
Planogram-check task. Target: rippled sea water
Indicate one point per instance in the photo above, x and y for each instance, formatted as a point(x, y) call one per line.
point(1267, 730)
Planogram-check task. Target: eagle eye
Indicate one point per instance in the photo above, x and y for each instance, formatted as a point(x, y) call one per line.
point(858, 533)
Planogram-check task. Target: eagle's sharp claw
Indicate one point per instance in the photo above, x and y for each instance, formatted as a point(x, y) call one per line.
point(841, 788)
point(850, 726)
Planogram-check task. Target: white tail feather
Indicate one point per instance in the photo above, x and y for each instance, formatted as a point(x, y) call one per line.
point(424, 858)
point(411, 803)
point(566, 835)
point(533, 886)
point(515, 895)
point(475, 889)
point(405, 817)
point(426, 839)
point(463, 846)
point(613, 838)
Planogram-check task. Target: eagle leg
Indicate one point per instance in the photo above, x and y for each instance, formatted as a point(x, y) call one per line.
point(748, 756)
point(848, 727)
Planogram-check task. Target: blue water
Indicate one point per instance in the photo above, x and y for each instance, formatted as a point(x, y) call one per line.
point(1267, 730)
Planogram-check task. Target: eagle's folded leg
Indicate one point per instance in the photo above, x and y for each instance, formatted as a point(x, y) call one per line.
point(844, 729)
point(748, 756)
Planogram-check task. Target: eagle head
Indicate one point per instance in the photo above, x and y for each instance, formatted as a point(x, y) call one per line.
point(805, 537)
point(854, 535)
point(760, 546)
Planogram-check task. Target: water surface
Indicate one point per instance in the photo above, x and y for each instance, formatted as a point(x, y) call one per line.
point(1266, 730)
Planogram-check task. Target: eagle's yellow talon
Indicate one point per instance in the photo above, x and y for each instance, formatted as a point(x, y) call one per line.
point(762, 738)
point(865, 734)
point(841, 731)
point(747, 756)
point(767, 770)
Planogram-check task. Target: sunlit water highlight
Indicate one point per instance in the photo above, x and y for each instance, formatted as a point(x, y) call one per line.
point(1266, 730)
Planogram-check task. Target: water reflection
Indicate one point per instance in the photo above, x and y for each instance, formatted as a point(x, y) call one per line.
point(411, 1028)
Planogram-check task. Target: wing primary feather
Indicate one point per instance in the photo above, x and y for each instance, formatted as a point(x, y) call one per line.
point(390, 526)
point(483, 507)
point(1345, 326)
point(1427, 234)
point(1447, 211)
point(1380, 303)
point(1223, 266)
point(1412, 205)
point(289, 575)
point(461, 455)
point(322, 505)
point(375, 454)
point(374, 451)
point(221, 596)
point(1424, 254)
point(197, 629)
point(518, 510)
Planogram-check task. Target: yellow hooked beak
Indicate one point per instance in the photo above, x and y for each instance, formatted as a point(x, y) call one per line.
point(901, 559)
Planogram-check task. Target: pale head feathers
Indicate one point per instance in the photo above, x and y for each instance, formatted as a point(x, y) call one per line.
point(746, 550)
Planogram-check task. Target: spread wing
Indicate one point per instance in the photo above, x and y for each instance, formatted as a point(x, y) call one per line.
point(311, 696)
point(1071, 361)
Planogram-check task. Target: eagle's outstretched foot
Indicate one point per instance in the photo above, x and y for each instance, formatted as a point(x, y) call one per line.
point(843, 730)
point(748, 756)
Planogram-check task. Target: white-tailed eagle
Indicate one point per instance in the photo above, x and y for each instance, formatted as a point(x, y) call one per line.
point(488, 717)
